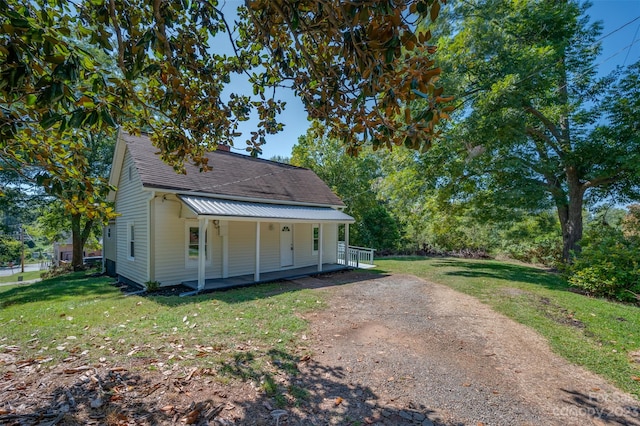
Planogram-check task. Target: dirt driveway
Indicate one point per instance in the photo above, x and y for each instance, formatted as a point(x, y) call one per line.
point(411, 352)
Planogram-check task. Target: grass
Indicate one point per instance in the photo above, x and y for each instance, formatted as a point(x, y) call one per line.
point(30, 275)
point(598, 334)
point(237, 333)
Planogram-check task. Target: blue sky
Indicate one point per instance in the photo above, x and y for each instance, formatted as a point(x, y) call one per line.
point(616, 51)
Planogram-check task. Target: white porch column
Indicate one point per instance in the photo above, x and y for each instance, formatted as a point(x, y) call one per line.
point(202, 256)
point(256, 275)
point(320, 247)
point(224, 233)
point(346, 244)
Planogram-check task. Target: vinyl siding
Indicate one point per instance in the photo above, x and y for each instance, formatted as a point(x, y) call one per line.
point(302, 245)
point(329, 243)
point(132, 204)
point(269, 247)
point(242, 248)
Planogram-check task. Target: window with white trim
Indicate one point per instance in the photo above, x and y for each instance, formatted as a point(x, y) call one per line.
point(193, 244)
point(315, 238)
point(131, 238)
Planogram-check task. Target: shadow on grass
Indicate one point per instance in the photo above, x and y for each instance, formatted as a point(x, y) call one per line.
point(494, 270)
point(75, 284)
point(293, 391)
point(266, 290)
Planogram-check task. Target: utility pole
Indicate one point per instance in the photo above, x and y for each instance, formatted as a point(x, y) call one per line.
point(22, 242)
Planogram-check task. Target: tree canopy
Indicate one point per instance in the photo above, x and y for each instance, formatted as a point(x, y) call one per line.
point(354, 179)
point(535, 127)
point(348, 62)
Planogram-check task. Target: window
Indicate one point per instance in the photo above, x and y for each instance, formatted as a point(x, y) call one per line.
point(193, 244)
point(130, 173)
point(316, 238)
point(131, 237)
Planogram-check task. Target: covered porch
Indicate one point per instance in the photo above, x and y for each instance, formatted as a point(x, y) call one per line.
point(244, 280)
point(314, 250)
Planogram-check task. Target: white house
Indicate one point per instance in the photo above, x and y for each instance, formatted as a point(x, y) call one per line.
point(248, 218)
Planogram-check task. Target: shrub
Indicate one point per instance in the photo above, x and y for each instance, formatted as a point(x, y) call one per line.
point(152, 286)
point(608, 266)
point(56, 271)
point(546, 250)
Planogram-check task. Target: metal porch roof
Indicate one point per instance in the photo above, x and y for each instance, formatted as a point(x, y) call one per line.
point(216, 207)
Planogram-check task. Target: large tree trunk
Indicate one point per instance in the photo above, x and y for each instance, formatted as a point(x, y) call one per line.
point(570, 215)
point(79, 236)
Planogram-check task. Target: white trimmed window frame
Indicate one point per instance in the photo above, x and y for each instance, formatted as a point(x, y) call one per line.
point(315, 238)
point(188, 261)
point(131, 240)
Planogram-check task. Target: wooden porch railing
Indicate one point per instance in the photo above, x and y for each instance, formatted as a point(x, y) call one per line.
point(355, 256)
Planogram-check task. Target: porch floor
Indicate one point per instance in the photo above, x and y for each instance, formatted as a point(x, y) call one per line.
point(243, 280)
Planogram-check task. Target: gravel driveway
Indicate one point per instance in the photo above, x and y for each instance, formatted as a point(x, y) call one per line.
point(398, 350)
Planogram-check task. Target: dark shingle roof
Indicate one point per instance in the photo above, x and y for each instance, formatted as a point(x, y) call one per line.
point(233, 175)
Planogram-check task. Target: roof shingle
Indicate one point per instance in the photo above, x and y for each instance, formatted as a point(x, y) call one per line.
point(233, 175)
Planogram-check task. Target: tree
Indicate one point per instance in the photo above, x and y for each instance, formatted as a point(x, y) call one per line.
point(535, 127)
point(10, 249)
point(79, 196)
point(72, 192)
point(353, 179)
point(347, 61)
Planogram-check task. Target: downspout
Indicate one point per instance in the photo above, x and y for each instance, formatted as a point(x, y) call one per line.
point(202, 257)
point(151, 252)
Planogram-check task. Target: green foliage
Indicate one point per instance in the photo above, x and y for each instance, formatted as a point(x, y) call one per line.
point(10, 249)
point(533, 239)
point(608, 265)
point(376, 228)
point(630, 223)
point(158, 66)
point(533, 118)
point(354, 180)
point(152, 286)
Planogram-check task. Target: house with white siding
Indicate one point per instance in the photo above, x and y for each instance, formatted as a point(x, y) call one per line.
point(247, 220)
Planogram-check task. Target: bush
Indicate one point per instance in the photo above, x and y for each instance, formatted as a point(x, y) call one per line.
point(545, 250)
point(608, 266)
point(56, 271)
point(152, 286)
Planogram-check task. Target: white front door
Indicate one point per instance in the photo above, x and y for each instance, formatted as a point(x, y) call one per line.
point(286, 244)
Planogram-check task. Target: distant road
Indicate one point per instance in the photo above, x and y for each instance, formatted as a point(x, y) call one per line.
point(17, 269)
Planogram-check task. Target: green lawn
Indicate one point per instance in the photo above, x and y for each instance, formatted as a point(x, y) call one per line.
point(78, 316)
point(30, 275)
point(597, 334)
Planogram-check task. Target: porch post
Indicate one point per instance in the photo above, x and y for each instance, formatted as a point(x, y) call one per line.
point(320, 248)
point(202, 257)
point(346, 244)
point(256, 276)
point(224, 232)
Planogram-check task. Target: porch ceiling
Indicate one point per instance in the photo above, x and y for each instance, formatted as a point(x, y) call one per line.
point(204, 206)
